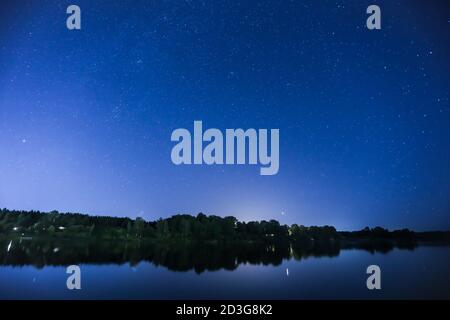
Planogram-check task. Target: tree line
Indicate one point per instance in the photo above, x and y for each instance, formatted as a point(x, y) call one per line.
point(181, 226)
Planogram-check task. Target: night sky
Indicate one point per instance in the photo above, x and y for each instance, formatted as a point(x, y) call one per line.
point(364, 116)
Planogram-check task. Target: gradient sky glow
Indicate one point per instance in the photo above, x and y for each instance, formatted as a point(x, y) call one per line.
point(364, 116)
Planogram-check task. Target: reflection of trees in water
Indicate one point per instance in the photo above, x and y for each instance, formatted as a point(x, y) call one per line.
point(379, 245)
point(176, 257)
point(306, 249)
point(224, 256)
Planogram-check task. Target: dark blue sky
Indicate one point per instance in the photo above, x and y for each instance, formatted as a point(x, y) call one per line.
point(364, 116)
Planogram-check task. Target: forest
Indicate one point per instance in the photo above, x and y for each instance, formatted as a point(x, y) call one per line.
point(185, 227)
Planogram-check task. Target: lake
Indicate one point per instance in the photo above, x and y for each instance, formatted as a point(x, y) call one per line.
point(36, 269)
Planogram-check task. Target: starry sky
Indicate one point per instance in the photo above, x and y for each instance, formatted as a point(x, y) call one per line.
point(364, 116)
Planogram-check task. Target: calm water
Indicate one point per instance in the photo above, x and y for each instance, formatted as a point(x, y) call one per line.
point(33, 269)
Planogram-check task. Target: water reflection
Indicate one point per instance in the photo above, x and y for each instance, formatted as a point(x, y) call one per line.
point(175, 257)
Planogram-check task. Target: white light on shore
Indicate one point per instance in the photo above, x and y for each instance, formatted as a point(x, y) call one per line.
point(9, 246)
